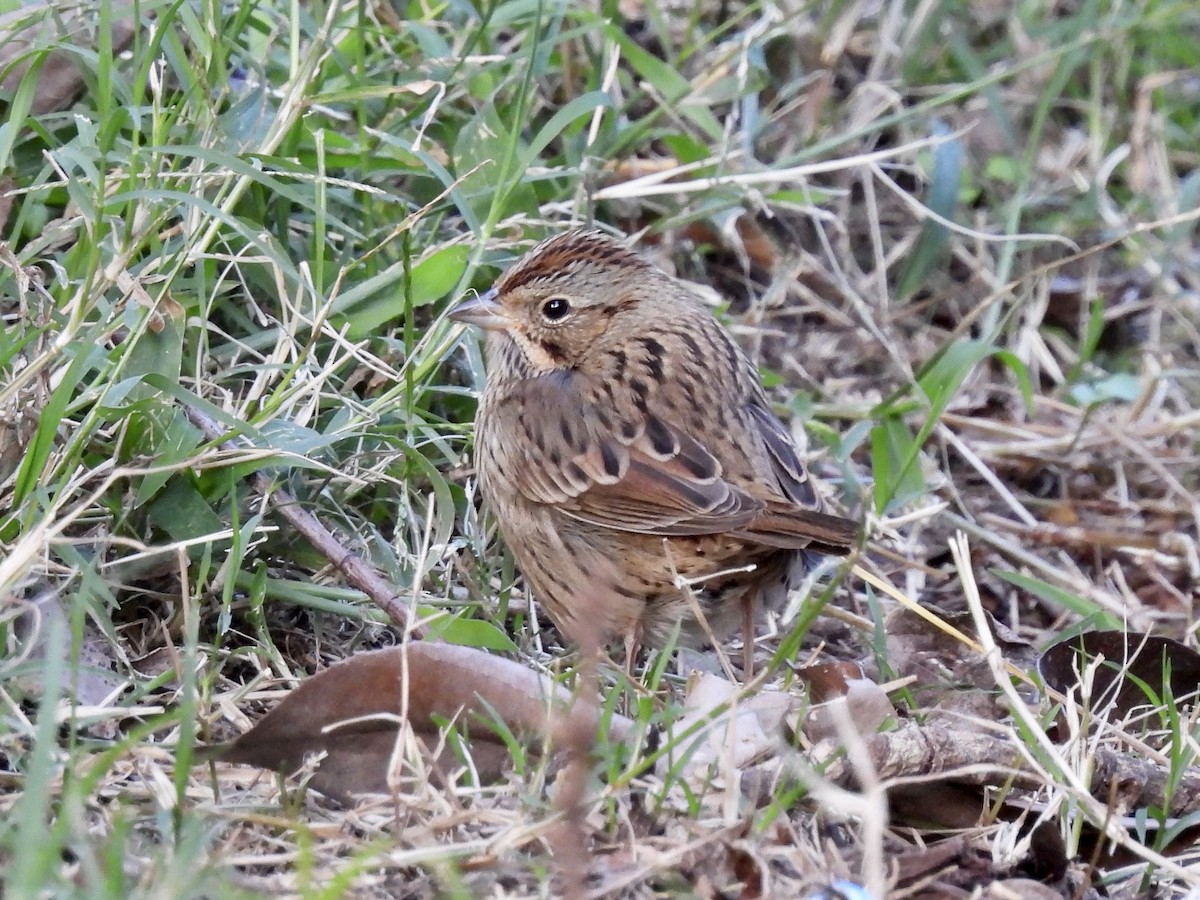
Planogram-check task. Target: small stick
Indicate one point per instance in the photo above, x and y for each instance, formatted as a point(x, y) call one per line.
point(359, 573)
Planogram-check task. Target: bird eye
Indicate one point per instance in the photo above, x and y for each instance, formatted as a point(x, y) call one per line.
point(556, 308)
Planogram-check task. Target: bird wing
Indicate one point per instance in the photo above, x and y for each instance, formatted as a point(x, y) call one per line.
point(632, 472)
point(796, 522)
point(786, 466)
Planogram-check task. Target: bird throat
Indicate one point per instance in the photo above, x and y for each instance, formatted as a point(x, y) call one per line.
point(529, 356)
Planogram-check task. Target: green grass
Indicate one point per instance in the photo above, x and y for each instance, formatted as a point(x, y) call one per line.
point(262, 210)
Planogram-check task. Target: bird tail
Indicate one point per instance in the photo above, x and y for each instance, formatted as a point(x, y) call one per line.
point(792, 528)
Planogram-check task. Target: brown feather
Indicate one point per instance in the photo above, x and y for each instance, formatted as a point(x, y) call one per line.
point(625, 441)
point(805, 529)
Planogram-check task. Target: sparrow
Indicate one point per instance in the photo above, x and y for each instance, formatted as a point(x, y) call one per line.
point(629, 454)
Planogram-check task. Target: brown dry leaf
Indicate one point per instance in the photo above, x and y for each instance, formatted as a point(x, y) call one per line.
point(1125, 667)
point(352, 712)
point(729, 869)
point(957, 868)
point(94, 682)
point(937, 804)
point(949, 674)
point(921, 863)
point(165, 305)
point(828, 681)
point(721, 751)
point(628, 169)
point(747, 239)
point(843, 686)
point(961, 867)
point(59, 80)
point(1020, 889)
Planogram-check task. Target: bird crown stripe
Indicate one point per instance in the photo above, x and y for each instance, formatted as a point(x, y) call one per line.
point(569, 254)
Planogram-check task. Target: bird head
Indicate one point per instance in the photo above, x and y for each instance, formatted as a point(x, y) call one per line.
point(562, 297)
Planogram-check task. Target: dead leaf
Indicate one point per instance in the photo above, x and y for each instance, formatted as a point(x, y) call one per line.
point(1122, 780)
point(727, 869)
point(165, 305)
point(628, 169)
point(828, 681)
point(843, 686)
point(353, 712)
point(1020, 889)
point(936, 804)
point(746, 239)
point(94, 680)
point(950, 675)
point(1127, 670)
point(719, 749)
point(38, 25)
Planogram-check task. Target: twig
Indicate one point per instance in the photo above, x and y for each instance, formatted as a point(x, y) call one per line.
point(359, 573)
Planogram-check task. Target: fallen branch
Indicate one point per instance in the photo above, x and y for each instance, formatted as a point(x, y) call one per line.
point(358, 572)
point(924, 751)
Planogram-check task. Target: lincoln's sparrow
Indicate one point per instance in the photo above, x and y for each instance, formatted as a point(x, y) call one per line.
point(628, 451)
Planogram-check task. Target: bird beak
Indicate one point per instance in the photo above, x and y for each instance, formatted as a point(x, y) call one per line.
point(481, 310)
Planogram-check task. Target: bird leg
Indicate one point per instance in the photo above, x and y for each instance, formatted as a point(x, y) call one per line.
point(633, 641)
point(748, 603)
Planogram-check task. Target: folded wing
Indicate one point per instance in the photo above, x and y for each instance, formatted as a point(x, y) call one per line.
point(640, 474)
